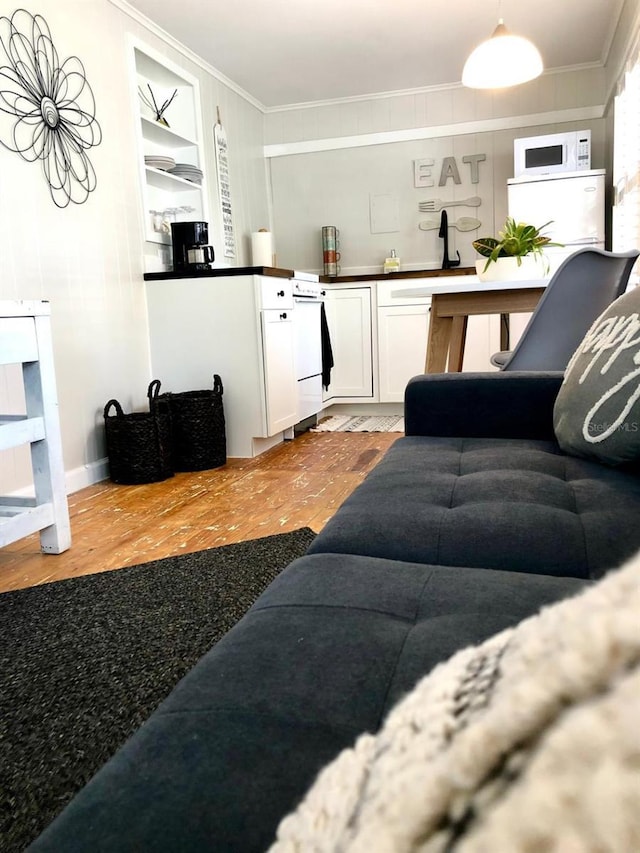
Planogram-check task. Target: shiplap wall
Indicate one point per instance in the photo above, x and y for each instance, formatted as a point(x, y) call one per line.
point(436, 106)
point(333, 187)
point(88, 259)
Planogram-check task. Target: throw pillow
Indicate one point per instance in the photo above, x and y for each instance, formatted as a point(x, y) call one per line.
point(597, 410)
point(528, 741)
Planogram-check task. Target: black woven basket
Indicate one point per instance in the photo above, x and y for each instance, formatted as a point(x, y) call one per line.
point(198, 427)
point(139, 444)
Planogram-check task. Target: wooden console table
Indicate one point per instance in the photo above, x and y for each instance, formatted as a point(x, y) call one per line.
point(25, 338)
point(454, 302)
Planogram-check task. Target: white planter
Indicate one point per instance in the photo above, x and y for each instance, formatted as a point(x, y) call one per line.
point(508, 269)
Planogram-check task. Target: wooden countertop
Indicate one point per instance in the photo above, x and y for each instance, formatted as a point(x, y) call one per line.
point(340, 279)
point(278, 272)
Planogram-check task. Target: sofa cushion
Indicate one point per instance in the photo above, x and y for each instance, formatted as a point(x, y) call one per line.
point(527, 742)
point(440, 403)
point(324, 653)
point(508, 504)
point(597, 410)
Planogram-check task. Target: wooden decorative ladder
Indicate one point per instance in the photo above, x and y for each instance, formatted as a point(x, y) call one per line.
point(25, 338)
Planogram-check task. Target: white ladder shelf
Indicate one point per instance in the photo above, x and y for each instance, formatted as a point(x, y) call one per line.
point(25, 338)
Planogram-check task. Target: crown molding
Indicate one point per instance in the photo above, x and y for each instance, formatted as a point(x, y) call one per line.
point(197, 60)
point(186, 52)
point(399, 93)
point(613, 29)
point(632, 41)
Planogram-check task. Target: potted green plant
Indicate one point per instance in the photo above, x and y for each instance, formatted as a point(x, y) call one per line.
point(516, 242)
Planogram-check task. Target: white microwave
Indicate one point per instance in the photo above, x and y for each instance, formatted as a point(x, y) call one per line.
point(553, 153)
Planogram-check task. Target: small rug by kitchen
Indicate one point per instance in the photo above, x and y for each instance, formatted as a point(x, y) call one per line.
point(84, 662)
point(361, 423)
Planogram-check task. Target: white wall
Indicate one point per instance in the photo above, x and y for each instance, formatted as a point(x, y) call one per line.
point(88, 259)
point(334, 188)
point(312, 188)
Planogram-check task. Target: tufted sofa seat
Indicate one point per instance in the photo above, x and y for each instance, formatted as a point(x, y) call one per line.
point(510, 504)
point(472, 522)
point(322, 656)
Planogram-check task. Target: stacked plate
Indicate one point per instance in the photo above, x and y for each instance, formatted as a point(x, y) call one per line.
point(188, 172)
point(156, 161)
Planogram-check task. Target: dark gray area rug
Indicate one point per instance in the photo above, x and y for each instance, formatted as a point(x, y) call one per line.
point(83, 662)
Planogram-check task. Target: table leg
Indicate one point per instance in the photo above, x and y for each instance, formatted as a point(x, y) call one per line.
point(448, 320)
point(456, 346)
point(438, 342)
point(504, 332)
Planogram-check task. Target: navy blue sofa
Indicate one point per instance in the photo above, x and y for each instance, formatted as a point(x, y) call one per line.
point(470, 523)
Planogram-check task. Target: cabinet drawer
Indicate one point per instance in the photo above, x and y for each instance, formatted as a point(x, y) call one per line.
point(275, 293)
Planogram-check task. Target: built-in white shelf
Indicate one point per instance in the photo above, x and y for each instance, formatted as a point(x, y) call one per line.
point(161, 135)
point(182, 140)
point(166, 181)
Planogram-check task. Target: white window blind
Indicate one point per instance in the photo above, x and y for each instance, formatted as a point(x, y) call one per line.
point(626, 159)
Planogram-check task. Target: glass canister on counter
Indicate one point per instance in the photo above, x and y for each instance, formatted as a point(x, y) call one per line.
point(330, 246)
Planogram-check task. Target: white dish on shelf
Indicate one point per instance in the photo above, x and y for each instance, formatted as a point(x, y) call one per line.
point(187, 172)
point(185, 167)
point(159, 162)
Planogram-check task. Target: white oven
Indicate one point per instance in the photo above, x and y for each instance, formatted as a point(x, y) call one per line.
point(307, 301)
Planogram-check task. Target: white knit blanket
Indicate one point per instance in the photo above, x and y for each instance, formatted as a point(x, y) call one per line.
point(528, 742)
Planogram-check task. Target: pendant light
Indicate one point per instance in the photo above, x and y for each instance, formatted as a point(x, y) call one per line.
point(502, 60)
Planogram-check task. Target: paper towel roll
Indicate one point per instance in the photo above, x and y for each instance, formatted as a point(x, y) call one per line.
point(262, 249)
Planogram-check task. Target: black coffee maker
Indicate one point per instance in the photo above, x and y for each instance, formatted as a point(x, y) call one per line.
point(191, 251)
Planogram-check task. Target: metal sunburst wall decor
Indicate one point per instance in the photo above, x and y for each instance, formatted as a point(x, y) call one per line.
point(47, 109)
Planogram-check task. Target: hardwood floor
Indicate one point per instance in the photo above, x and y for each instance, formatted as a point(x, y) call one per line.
point(299, 483)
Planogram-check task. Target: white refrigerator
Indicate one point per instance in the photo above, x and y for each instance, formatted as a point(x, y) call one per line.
point(575, 203)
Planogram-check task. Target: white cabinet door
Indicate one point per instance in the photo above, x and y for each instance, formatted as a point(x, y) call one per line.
point(402, 344)
point(279, 370)
point(349, 320)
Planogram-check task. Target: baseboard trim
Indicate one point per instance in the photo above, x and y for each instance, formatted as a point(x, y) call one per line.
point(86, 475)
point(75, 479)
